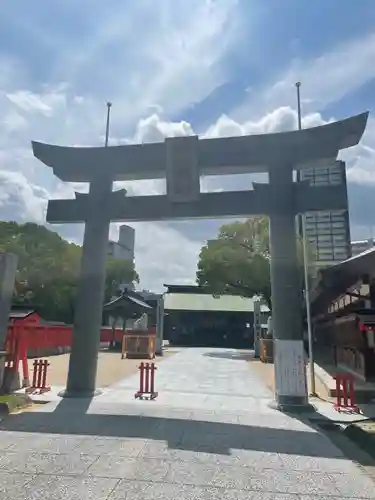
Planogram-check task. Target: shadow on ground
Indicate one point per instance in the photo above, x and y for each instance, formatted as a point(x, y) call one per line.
point(240, 356)
point(70, 418)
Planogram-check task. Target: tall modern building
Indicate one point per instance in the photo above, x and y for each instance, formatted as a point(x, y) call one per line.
point(328, 232)
point(123, 249)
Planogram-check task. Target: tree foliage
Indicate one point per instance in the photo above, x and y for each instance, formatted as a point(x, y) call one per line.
point(238, 260)
point(118, 273)
point(48, 269)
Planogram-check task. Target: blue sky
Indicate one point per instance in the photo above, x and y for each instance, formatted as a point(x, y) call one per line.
point(212, 67)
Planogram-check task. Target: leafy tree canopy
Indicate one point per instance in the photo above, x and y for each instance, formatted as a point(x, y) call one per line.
point(118, 272)
point(48, 269)
point(238, 260)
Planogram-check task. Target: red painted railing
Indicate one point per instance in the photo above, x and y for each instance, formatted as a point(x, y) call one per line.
point(146, 381)
point(28, 334)
point(345, 393)
point(39, 383)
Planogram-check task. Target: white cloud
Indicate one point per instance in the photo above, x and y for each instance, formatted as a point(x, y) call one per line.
point(20, 200)
point(29, 102)
point(14, 122)
point(325, 79)
point(160, 54)
point(155, 55)
point(153, 63)
point(361, 159)
point(280, 119)
point(175, 63)
point(163, 254)
point(155, 129)
point(11, 70)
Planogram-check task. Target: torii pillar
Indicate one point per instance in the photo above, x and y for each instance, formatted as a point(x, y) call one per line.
point(291, 391)
point(83, 359)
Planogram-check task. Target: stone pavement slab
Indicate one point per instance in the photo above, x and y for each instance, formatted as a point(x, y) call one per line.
point(327, 410)
point(183, 382)
point(117, 448)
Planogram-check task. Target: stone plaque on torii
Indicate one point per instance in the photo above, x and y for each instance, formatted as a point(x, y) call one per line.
point(182, 161)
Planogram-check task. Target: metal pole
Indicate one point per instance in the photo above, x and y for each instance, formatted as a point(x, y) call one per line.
point(257, 327)
point(160, 325)
point(298, 85)
point(109, 104)
point(306, 272)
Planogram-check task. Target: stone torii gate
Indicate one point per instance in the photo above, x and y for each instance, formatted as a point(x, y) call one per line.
point(182, 161)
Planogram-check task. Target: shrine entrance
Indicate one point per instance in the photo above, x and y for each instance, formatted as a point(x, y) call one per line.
point(182, 161)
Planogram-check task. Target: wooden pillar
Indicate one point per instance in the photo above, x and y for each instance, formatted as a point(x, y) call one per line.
point(372, 293)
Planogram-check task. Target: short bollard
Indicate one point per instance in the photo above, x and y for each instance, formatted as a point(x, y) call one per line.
point(146, 382)
point(39, 384)
point(345, 396)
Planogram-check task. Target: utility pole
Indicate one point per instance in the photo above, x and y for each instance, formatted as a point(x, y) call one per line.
point(306, 271)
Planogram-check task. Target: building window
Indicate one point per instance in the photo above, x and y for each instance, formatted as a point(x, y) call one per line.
point(324, 237)
point(341, 256)
point(324, 218)
point(324, 227)
point(325, 256)
point(323, 240)
point(335, 179)
point(327, 231)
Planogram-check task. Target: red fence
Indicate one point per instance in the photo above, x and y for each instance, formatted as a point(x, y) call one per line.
point(28, 334)
point(40, 336)
point(39, 383)
point(146, 381)
point(345, 393)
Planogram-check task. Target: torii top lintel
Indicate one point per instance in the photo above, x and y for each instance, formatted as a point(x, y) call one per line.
point(231, 155)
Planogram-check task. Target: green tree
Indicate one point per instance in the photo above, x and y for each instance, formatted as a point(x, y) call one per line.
point(48, 269)
point(118, 272)
point(238, 261)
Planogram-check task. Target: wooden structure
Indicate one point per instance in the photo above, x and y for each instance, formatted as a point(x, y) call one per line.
point(350, 337)
point(139, 344)
point(266, 350)
point(194, 316)
point(343, 308)
point(128, 306)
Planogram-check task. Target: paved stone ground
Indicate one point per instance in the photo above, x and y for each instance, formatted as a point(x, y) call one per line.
point(210, 435)
point(111, 368)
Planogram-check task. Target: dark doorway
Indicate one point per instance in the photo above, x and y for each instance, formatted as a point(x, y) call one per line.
point(209, 329)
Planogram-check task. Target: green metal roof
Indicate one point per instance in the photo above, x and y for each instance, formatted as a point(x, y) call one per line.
point(200, 302)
